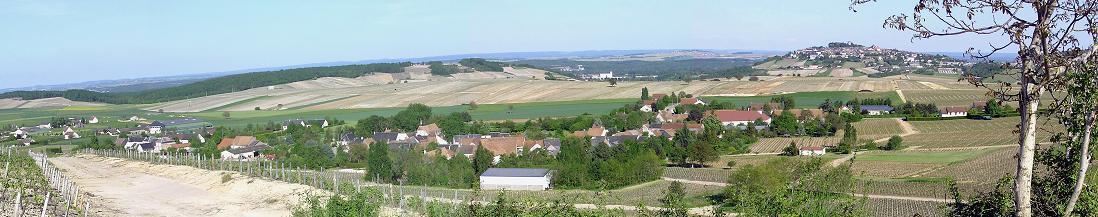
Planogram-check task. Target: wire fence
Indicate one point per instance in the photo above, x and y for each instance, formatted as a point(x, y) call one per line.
point(31, 186)
point(402, 197)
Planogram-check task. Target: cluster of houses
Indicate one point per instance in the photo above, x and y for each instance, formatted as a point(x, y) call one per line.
point(884, 60)
point(23, 134)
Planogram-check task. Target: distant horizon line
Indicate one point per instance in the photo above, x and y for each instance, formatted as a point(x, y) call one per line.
point(445, 57)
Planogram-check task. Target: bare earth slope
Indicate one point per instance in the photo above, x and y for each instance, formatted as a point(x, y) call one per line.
point(128, 188)
point(343, 93)
point(42, 103)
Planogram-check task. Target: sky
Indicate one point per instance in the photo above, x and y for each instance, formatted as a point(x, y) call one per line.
point(53, 42)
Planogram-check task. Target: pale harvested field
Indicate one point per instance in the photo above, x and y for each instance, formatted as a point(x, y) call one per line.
point(525, 72)
point(43, 103)
point(868, 70)
point(375, 91)
point(842, 72)
point(481, 75)
point(129, 188)
point(791, 72)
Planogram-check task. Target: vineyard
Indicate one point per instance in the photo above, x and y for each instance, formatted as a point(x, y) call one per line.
point(986, 169)
point(884, 169)
point(893, 207)
point(968, 133)
point(697, 174)
point(774, 145)
point(944, 98)
point(31, 186)
point(877, 128)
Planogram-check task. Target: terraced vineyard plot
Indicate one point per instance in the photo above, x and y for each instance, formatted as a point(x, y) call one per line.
point(772, 145)
point(883, 169)
point(697, 174)
point(968, 133)
point(944, 98)
point(893, 207)
point(744, 160)
point(877, 128)
point(985, 169)
point(933, 189)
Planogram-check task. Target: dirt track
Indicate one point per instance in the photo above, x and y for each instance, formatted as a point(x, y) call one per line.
point(128, 188)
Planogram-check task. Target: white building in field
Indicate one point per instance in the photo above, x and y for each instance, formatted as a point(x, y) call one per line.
point(813, 151)
point(949, 112)
point(515, 179)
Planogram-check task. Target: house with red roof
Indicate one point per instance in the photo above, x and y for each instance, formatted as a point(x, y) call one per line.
point(737, 117)
point(949, 112)
point(691, 101)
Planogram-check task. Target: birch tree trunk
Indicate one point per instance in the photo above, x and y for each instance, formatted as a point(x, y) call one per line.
point(1084, 164)
point(1023, 180)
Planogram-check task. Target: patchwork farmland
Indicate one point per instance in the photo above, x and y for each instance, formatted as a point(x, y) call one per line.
point(345, 93)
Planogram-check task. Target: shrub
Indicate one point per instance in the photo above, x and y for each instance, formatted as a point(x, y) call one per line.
point(226, 178)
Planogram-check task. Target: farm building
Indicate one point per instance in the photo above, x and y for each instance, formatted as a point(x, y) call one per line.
point(238, 142)
point(93, 120)
point(70, 134)
point(304, 123)
point(812, 151)
point(954, 112)
point(515, 179)
point(691, 101)
point(876, 109)
point(736, 117)
point(19, 134)
point(244, 153)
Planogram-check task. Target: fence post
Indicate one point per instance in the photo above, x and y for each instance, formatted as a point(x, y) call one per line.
point(19, 202)
point(46, 204)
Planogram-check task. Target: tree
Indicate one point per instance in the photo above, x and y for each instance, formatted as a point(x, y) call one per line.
point(379, 165)
point(225, 114)
point(613, 82)
point(791, 150)
point(895, 143)
point(473, 105)
point(785, 124)
point(674, 201)
point(702, 152)
point(1047, 36)
point(644, 94)
point(482, 160)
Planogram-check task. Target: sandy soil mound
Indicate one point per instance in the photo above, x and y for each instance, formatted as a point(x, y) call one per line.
point(130, 188)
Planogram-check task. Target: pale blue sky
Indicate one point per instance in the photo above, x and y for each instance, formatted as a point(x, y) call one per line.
point(50, 42)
